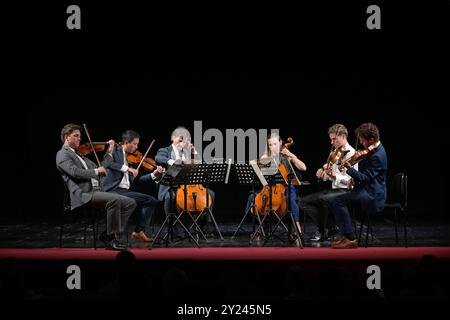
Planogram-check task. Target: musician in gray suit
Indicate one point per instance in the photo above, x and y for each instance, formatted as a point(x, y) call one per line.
point(81, 177)
point(180, 150)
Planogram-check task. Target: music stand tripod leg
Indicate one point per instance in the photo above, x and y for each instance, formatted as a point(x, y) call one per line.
point(242, 221)
point(259, 227)
point(166, 220)
point(208, 210)
point(187, 230)
point(197, 227)
point(297, 231)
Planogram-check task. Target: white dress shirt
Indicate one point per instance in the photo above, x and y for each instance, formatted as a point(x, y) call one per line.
point(342, 178)
point(125, 183)
point(177, 155)
point(93, 181)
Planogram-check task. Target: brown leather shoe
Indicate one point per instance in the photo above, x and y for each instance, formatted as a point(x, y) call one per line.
point(346, 244)
point(334, 243)
point(141, 236)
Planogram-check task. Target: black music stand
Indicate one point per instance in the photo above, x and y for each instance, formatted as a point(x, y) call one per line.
point(288, 212)
point(174, 177)
point(216, 172)
point(250, 175)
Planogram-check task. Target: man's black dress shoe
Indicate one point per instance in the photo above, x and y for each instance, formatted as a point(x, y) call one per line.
point(115, 245)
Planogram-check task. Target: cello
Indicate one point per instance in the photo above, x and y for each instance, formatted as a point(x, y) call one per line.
point(192, 198)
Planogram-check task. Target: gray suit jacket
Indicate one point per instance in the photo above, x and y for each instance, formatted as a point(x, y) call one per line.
point(75, 176)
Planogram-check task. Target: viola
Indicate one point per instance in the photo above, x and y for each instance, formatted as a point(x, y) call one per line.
point(86, 148)
point(334, 157)
point(136, 157)
point(358, 156)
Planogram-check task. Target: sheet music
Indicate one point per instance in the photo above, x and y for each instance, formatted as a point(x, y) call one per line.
point(268, 166)
point(258, 172)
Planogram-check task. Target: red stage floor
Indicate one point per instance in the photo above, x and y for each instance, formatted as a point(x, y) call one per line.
point(244, 254)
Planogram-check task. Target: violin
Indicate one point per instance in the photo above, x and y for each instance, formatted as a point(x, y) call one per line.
point(86, 148)
point(359, 155)
point(192, 198)
point(136, 157)
point(334, 157)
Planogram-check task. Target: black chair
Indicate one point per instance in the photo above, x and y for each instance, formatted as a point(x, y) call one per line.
point(397, 200)
point(87, 214)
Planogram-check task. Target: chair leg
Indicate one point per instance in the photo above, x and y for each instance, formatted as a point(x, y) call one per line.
point(61, 227)
point(84, 233)
point(353, 217)
point(368, 227)
point(361, 228)
point(303, 224)
point(405, 225)
point(94, 233)
point(395, 224)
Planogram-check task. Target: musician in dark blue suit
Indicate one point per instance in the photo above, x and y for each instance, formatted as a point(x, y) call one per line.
point(369, 185)
point(121, 179)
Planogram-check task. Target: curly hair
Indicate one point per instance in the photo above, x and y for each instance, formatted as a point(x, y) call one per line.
point(368, 131)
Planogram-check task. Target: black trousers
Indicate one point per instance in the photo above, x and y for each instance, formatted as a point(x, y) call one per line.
point(118, 210)
point(316, 205)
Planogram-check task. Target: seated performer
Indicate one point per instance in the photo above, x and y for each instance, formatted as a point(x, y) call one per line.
point(81, 177)
point(316, 204)
point(275, 150)
point(369, 185)
point(180, 150)
point(122, 179)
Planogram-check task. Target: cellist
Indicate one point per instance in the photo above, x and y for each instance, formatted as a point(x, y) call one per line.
point(181, 150)
point(275, 150)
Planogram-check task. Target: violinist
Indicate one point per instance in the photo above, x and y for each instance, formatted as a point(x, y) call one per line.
point(81, 177)
point(369, 192)
point(122, 178)
point(181, 150)
point(316, 204)
point(275, 150)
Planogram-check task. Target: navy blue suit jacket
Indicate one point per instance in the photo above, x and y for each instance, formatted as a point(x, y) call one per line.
point(370, 180)
point(113, 163)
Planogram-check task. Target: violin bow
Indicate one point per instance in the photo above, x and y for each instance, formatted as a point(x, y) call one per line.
point(146, 152)
point(92, 145)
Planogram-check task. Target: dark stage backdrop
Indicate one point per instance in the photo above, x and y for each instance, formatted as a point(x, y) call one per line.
point(301, 104)
point(108, 75)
